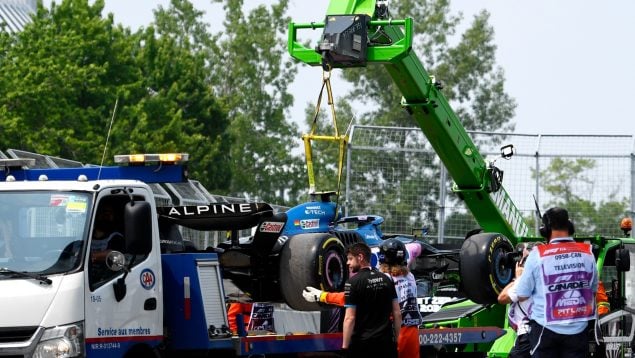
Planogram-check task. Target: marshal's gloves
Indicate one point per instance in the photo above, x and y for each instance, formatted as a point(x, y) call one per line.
point(312, 294)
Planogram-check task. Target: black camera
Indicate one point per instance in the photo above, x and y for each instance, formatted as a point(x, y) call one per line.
point(515, 256)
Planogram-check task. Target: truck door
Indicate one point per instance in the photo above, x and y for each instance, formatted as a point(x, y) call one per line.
point(618, 326)
point(123, 309)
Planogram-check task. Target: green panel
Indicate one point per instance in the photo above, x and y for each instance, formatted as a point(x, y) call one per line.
point(502, 346)
point(379, 54)
point(344, 7)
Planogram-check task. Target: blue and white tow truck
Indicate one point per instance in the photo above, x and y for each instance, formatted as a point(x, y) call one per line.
point(152, 293)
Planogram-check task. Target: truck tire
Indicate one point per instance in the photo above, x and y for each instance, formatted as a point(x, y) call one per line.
point(483, 266)
point(316, 260)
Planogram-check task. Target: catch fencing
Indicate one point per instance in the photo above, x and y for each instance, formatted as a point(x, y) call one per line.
point(395, 173)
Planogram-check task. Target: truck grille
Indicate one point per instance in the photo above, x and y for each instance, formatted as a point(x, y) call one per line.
point(16, 334)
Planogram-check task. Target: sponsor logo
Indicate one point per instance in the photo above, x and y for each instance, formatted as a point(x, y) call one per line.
point(309, 224)
point(58, 200)
point(563, 278)
point(315, 212)
point(271, 227)
point(568, 286)
point(551, 251)
point(213, 209)
point(573, 298)
point(432, 304)
point(147, 279)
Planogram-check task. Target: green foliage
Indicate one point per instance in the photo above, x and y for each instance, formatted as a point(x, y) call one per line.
point(178, 109)
point(569, 186)
point(252, 75)
point(562, 174)
point(64, 73)
point(61, 76)
point(220, 97)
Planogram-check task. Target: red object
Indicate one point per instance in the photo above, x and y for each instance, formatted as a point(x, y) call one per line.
point(187, 304)
point(238, 308)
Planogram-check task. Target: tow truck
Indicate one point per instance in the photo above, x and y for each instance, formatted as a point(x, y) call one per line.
point(360, 33)
point(154, 293)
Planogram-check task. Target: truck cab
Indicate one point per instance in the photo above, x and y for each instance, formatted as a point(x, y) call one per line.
point(52, 283)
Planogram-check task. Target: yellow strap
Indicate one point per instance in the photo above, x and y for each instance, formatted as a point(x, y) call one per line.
point(308, 138)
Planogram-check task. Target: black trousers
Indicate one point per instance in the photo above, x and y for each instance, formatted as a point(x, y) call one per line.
point(521, 347)
point(554, 345)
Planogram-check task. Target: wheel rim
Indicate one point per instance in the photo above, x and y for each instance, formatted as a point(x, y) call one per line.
point(502, 273)
point(334, 270)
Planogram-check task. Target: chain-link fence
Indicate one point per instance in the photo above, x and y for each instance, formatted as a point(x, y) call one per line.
point(394, 172)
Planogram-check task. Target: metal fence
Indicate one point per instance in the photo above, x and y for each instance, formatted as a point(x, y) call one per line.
point(394, 172)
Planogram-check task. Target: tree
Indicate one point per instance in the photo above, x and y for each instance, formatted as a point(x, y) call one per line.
point(178, 109)
point(61, 76)
point(252, 76)
point(566, 182)
point(64, 73)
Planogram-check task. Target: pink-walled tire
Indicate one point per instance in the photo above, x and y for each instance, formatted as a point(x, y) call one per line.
point(316, 260)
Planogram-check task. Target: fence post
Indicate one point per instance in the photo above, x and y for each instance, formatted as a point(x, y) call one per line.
point(442, 196)
point(537, 223)
point(349, 149)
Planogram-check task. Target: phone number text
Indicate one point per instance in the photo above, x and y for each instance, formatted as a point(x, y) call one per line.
point(440, 338)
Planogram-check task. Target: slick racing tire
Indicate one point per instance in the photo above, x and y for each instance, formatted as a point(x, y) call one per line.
point(316, 260)
point(484, 267)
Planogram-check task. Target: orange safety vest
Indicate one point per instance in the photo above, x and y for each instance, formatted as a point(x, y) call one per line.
point(602, 300)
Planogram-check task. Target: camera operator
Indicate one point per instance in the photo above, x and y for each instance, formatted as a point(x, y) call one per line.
point(518, 317)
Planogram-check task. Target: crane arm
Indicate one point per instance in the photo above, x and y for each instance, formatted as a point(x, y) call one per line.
point(358, 32)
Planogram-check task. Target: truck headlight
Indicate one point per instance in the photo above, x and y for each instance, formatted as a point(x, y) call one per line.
point(61, 341)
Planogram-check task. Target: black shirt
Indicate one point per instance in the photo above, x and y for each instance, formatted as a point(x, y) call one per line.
point(371, 293)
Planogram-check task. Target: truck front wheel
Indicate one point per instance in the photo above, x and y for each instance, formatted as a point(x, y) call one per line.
point(316, 260)
point(483, 266)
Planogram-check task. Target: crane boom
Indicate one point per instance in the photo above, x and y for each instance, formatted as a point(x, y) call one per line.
point(346, 42)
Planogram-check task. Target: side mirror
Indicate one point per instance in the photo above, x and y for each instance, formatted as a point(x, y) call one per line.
point(622, 260)
point(115, 261)
point(138, 227)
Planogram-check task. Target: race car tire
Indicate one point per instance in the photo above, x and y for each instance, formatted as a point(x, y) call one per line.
point(484, 266)
point(316, 260)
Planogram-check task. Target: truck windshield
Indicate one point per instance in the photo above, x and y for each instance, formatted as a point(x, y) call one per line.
point(42, 232)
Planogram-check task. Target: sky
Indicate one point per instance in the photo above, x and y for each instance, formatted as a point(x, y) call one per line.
point(569, 64)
